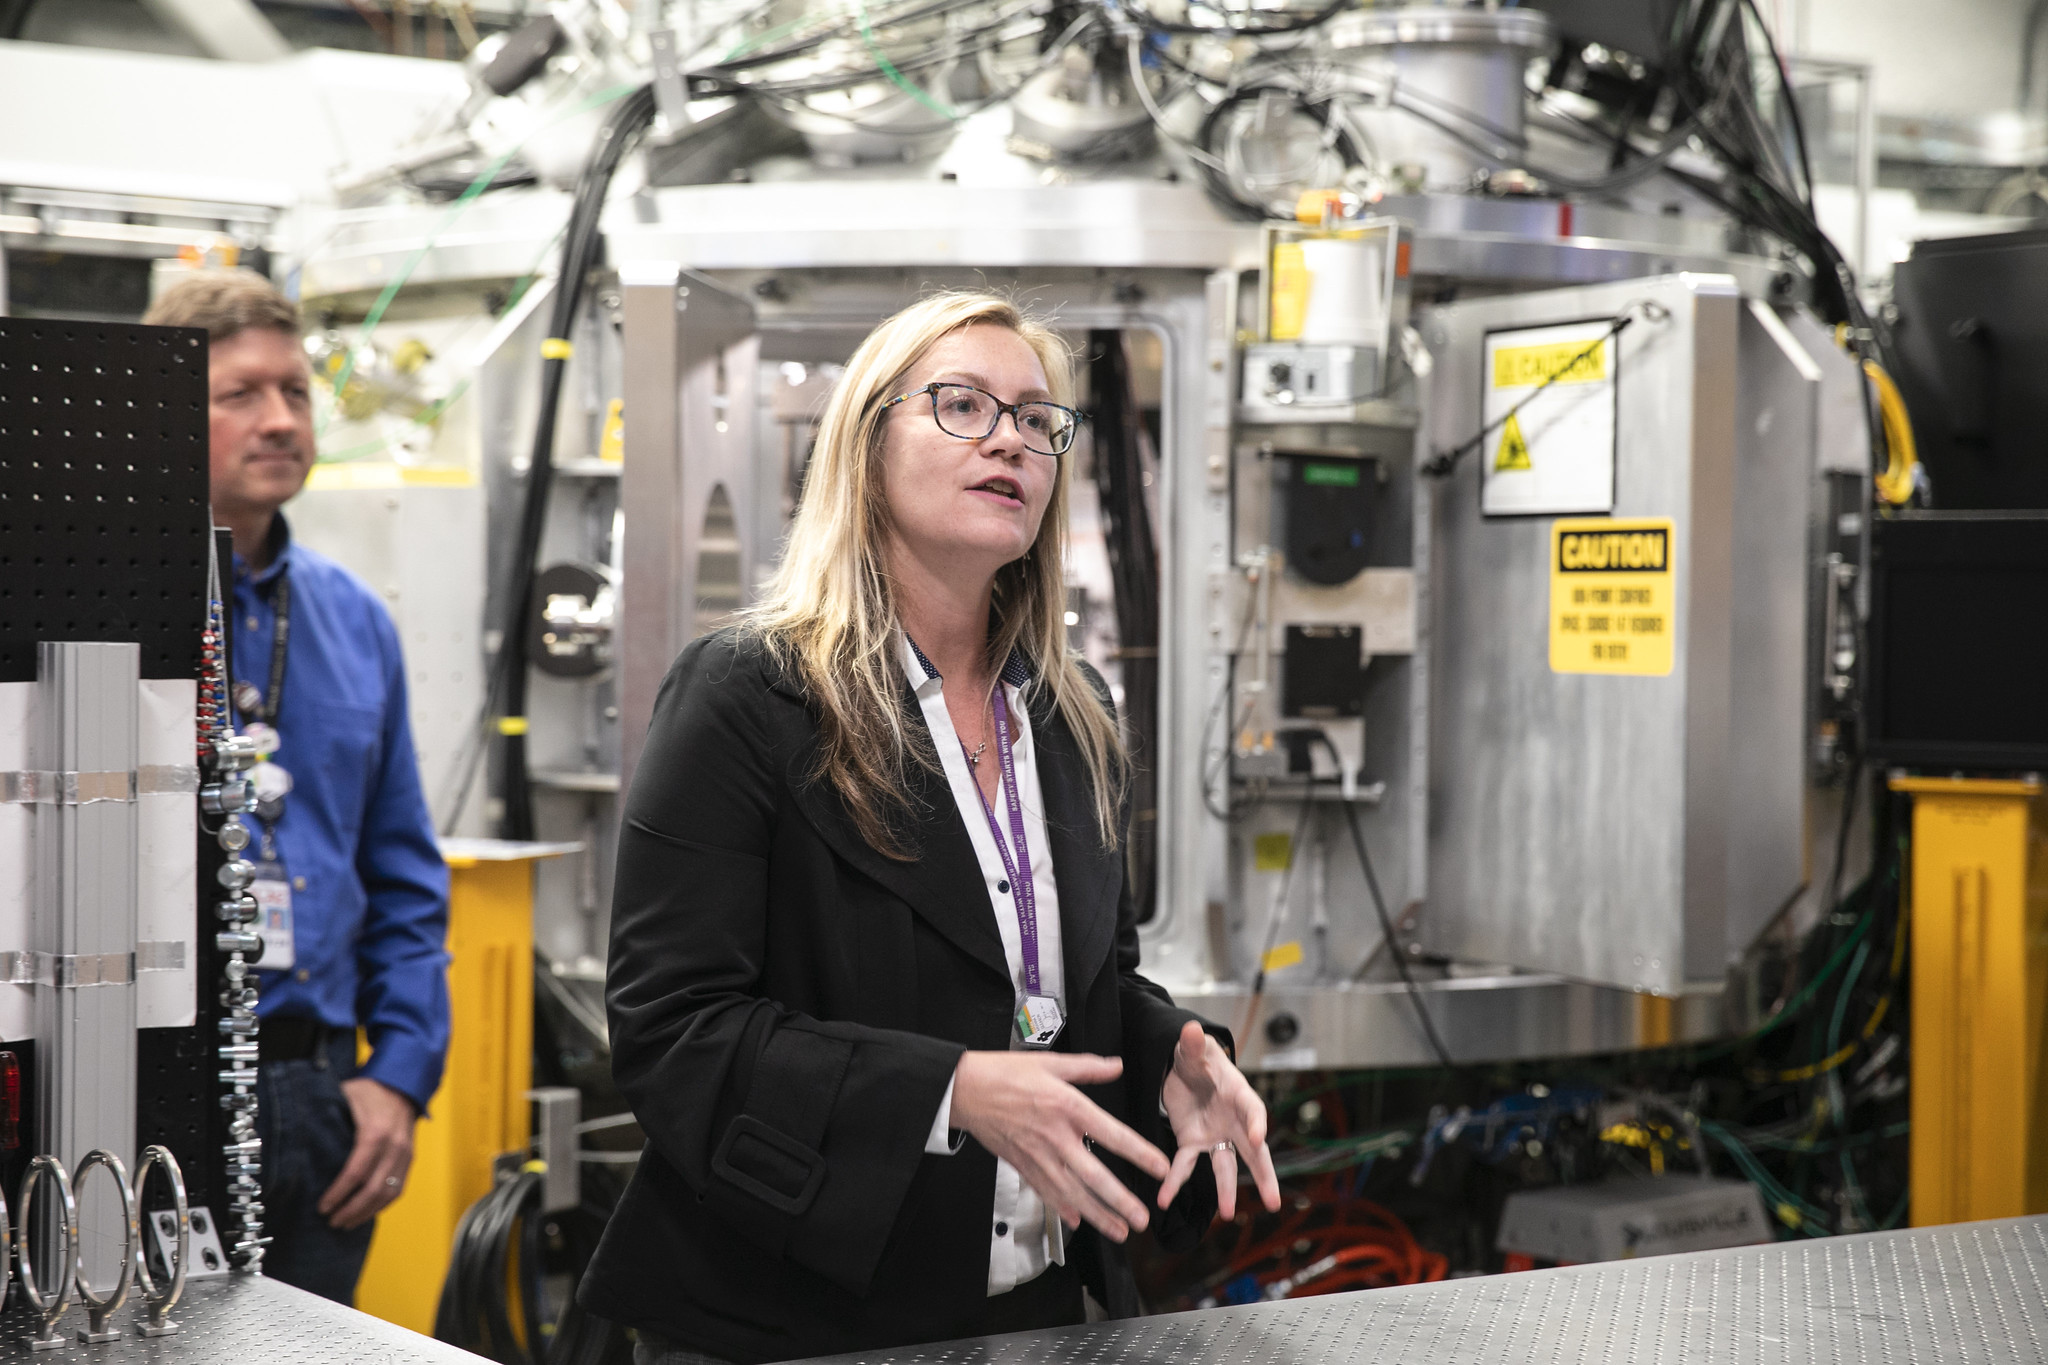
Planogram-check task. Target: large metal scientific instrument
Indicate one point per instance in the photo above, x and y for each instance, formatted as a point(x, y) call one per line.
point(1471, 485)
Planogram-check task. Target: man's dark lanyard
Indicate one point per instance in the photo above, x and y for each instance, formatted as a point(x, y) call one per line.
point(273, 702)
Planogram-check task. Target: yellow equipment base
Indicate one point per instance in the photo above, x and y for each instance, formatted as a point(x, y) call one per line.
point(1979, 905)
point(481, 1109)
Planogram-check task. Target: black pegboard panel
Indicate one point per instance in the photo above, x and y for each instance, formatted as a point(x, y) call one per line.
point(103, 490)
point(104, 536)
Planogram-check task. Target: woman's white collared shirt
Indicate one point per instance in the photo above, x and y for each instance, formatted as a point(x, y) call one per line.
point(1024, 1235)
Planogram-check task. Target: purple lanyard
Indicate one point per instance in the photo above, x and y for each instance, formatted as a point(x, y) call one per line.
point(1019, 871)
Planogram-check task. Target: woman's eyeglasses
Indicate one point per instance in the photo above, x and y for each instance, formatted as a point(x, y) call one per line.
point(969, 413)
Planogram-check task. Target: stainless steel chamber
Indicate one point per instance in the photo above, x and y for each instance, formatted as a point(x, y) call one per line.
point(714, 329)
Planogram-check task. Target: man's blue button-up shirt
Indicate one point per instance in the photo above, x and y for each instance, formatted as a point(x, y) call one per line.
point(369, 889)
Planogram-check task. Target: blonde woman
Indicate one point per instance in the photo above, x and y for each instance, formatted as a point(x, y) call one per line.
point(873, 986)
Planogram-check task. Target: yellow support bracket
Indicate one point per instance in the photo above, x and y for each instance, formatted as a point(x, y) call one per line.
point(1978, 900)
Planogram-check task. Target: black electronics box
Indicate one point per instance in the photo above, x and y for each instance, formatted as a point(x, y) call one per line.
point(1959, 640)
point(1323, 673)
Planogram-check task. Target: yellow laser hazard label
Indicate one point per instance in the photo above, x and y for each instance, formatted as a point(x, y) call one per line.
point(1571, 362)
point(1613, 606)
point(1514, 447)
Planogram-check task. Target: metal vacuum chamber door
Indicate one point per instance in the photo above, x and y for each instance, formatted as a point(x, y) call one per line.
point(1620, 708)
point(688, 484)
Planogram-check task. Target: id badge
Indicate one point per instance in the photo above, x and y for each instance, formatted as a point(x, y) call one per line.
point(273, 893)
point(1039, 1020)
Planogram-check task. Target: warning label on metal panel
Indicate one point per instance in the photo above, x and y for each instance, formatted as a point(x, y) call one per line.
point(1613, 606)
point(1549, 409)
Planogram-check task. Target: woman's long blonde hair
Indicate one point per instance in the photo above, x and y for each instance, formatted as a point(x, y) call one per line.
point(828, 616)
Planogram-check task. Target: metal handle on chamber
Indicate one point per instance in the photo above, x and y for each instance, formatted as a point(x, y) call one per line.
point(159, 1302)
point(98, 1310)
point(46, 1310)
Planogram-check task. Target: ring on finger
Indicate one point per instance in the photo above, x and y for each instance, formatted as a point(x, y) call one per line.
point(1225, 1146)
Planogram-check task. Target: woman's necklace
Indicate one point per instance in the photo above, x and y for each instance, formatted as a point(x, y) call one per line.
point(975, 758)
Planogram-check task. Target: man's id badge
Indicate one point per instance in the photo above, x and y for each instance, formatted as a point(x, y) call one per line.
point(273, 893)
point(1039, 1020)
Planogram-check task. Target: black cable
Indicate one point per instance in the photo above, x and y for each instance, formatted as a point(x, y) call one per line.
point(1134, 588)
point(1379, 905)
point(581, 246)
point(1850, 792)
point(1792, 114)
point(474, 1312)
point(1325, 109)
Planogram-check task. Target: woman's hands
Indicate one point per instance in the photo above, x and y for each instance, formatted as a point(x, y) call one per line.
point(1023, 1106)
point(1210, 1103)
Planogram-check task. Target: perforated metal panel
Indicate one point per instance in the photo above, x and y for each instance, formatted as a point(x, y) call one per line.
point(103, 537)
point(103, 520)
point(246, 1321)
point(1973, 1294)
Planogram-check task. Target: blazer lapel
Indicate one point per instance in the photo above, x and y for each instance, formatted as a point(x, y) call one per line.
point(944, 886)
point(1087, 871)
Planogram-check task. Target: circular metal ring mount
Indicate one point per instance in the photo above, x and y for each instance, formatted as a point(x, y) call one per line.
point(47, 1310)
point(97, 1309)
point(159, 1302)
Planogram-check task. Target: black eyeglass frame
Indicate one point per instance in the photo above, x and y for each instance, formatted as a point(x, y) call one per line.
point(1013, 409)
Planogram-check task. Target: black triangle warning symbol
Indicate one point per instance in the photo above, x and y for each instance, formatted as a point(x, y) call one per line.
point(1514, 449)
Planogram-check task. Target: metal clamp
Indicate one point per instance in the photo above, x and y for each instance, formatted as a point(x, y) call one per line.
point(46, 1310)
point(159, 1302)
point(97, 1309)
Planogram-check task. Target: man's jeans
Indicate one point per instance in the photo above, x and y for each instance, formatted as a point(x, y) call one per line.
point(308, 1132)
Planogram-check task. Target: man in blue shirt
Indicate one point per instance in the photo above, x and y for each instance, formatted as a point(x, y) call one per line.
point(352, 886)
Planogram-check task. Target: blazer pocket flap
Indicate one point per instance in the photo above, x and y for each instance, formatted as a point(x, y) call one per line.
point(770, 1165)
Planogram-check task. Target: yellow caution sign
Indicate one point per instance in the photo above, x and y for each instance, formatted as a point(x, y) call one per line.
point(1613, 596)
point(1514, 447)
point(1554, 362)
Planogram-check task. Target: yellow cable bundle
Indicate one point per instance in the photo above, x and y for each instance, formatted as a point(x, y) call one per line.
point(1895, 483)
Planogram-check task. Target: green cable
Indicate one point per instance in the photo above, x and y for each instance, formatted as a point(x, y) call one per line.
point(1834, 1080)
point(461, 205)
point(1809, 1217)
point(867, 35)
point(1806, 992)
point(432, 413)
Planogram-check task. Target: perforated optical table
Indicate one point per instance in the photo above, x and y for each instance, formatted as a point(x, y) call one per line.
point(241, 1319)
point(1961, 1295)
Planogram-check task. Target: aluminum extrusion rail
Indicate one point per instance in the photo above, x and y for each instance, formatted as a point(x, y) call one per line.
point(242, 1318)
point(1962, 1294)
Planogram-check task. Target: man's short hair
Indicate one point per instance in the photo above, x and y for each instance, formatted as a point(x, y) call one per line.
point(224, 302)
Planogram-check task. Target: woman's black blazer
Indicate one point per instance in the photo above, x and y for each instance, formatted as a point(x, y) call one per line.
point(787, 1006)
